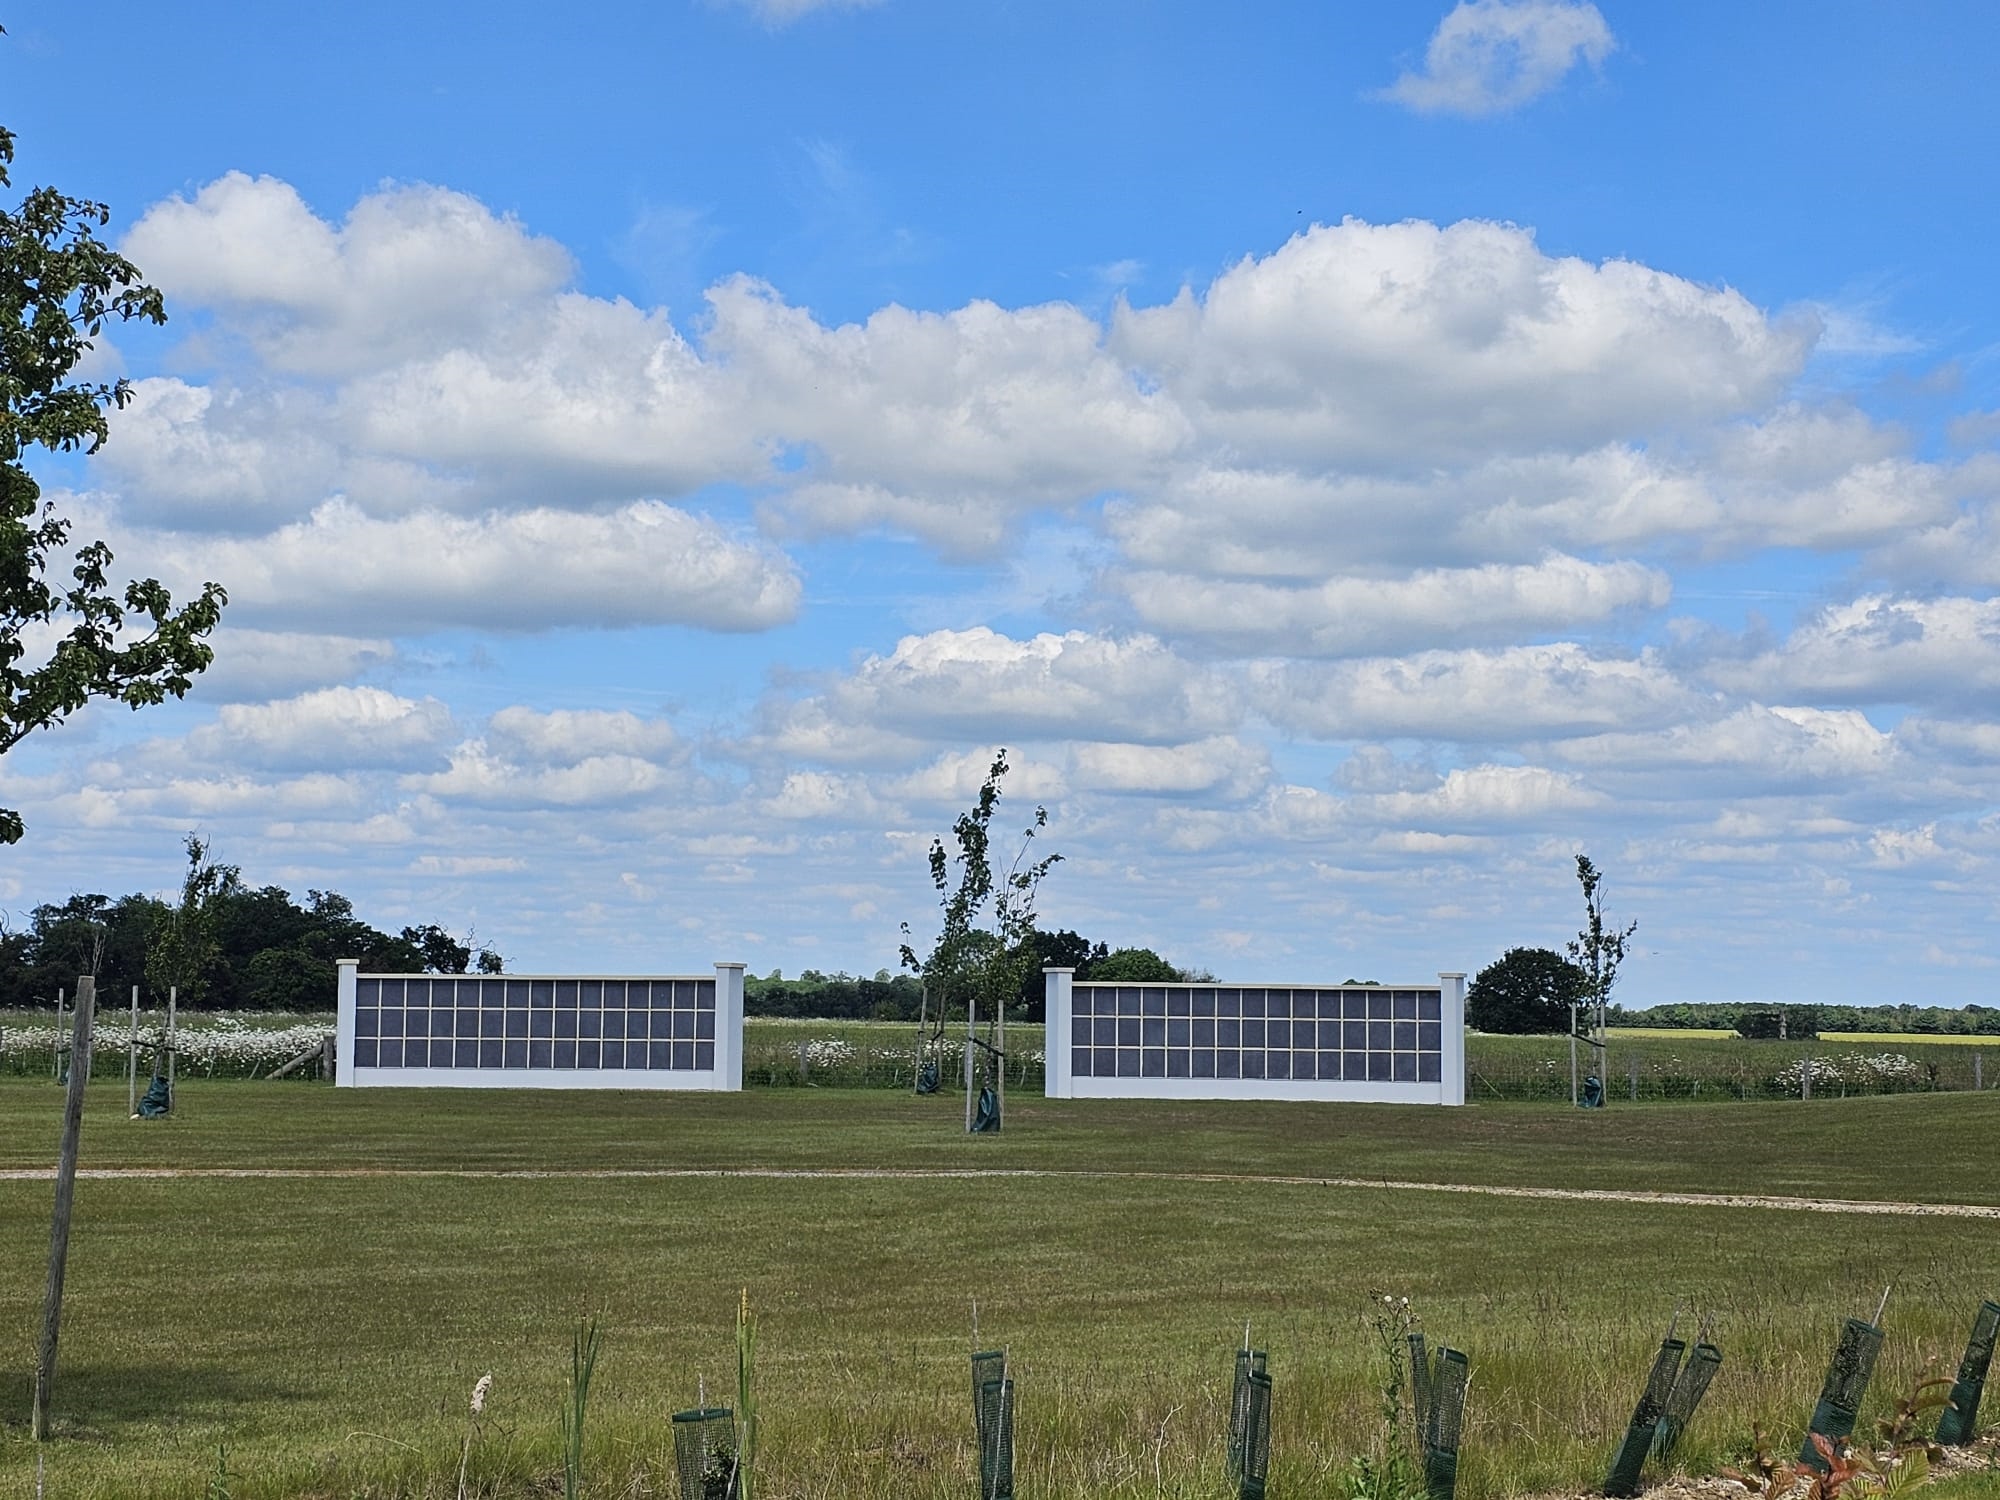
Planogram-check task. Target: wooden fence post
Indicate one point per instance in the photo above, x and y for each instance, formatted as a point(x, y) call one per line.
point(79, 1077)
point(132, 1060)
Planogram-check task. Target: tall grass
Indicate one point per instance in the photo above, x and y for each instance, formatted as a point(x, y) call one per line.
point(584, 1344)
point(208, 1045)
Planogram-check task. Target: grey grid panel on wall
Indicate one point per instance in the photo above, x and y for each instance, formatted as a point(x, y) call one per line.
point(1361, 1034)
point(459, 1022)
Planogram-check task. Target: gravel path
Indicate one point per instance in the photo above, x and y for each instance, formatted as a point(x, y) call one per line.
point(868, 1174)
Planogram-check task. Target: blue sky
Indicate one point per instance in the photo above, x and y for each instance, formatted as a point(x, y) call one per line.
point(1354, 456)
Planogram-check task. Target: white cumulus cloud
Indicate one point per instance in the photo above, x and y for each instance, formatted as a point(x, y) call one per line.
point(646, 563)
point(980, 684)
point(1520, 692)
point(411, 267)
point(1881, 648)
point(1361, 616)
point(1223, 763)
point(1490, 56)
point(334, 728)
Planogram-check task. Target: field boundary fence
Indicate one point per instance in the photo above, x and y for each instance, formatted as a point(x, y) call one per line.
point(1718, 1070)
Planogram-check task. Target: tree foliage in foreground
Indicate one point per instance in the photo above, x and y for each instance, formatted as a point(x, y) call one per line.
point(59, 285)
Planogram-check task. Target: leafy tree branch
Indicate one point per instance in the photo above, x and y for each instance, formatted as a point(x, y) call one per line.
point(59, 286)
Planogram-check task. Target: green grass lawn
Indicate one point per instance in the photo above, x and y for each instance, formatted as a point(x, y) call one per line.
point(327, 1333)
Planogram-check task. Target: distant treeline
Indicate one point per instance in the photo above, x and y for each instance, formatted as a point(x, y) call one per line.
point(274, 954)
point(271, 953)
point(1808, 1020)
point(814, 996)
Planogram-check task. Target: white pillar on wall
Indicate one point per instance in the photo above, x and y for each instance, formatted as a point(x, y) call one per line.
point(343, 1031)
point(1451, 1043)
point(729, 1025)
point(1057, 992)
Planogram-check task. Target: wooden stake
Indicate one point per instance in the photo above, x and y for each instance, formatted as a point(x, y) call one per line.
point(132, 1060)
point(1000, 1064)
point(1572, 1054)
point(79, 1051)
point(55, 1049)
point(971, 1017)
point(173, 1043)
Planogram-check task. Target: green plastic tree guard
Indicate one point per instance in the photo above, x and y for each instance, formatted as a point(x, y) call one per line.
point(1846, 1383)
point(1446, 1415)
point(987, 1365)
point(1256, 1437)
point(1420, 1380)
point(1640, 1434)
point(996, 1440)
point(986, 1118)
point(705, 1453)
point(1249, 1362)
point(158, 1100)
point(1702, 1363)
point(1959, 1422)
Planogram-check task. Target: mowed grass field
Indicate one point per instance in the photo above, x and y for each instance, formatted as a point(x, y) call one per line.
point(326, 1330)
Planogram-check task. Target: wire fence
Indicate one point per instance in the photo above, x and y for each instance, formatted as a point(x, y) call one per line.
point(873, 1055)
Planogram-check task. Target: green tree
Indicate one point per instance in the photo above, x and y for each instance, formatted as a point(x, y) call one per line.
point(985, 946)
point(1525, 992)
point(185, 943)
point(443, 953)
point(1599, 949)
point(59, 284)
point(1133, 966)
point(86, 934)
point(1064, 949)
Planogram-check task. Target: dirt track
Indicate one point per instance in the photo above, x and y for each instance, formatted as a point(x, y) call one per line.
point(1488, 1190)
